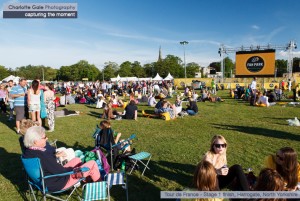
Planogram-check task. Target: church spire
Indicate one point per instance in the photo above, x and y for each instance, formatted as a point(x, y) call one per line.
point(159, 56)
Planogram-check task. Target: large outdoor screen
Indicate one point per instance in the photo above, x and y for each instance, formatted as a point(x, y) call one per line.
point(255, 63)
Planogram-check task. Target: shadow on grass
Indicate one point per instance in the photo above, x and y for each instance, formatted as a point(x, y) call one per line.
point(139, 189)
point(259, 131)
point(9, 124)
point(11, 169)
point(95, 114)
point(175, 172)
point(135, 181)
point(172, 171)
point(90, 106)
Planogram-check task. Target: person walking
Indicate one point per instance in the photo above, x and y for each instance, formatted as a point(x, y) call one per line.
point(253, 91)
point(19, 94)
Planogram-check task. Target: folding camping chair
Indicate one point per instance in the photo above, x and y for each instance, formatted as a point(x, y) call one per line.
point(139, 157)
point(95, 191)
point(118, 178)
point(36, 179)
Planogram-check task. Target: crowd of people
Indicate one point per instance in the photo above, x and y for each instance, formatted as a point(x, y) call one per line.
point(281, 171)
point(35, 102)
point(265, 98)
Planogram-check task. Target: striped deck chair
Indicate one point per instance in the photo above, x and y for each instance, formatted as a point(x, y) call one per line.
point(118, 178)
point(95, 191)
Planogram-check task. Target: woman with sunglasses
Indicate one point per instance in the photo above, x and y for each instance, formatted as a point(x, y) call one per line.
point(217, 156)
point(285, 162)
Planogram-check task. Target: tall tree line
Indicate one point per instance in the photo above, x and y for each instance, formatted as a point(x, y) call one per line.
point(83, 69)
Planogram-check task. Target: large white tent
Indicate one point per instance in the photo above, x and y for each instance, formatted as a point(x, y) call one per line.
point(118, 78)
point(169, 77)
point(145, 79)
point(15, 79)
point(122, 79)
point(157, 78)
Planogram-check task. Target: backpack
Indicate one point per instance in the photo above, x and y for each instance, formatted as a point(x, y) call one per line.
point(128, 162)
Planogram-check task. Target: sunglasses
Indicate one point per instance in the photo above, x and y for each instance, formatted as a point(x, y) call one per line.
point(220, 145)
point(279, 157)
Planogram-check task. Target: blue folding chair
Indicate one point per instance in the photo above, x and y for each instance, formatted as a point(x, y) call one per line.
point(36, 179)
point(139, 157)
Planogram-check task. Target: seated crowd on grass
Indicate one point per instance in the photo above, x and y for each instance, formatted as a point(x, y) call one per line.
point(281, 172)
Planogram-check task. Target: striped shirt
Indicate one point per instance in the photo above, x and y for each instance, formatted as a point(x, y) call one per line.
point(22, 100)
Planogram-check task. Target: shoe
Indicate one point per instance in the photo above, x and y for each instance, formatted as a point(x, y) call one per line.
point(118, 118)
point(18, 131)
point(49, 131)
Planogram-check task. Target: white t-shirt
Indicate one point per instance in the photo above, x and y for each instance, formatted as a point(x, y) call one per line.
point(264, 100)
point(253, 84)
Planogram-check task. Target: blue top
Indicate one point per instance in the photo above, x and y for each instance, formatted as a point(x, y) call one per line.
point(22, 100)
point(50, 167)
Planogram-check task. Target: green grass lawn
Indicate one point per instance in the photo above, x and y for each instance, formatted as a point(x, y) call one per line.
point(176, 146)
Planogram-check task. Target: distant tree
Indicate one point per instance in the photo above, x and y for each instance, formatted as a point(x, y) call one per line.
point(158, 68)
point(173, 65)
point(35, 72)
point(75, 72)
point(137, 70)
point(50, 74)
point(296, 64)
point(229, 67)
point(216, 66)
point(125, 69)
point(64, 73)
point(281, 66)
point(191, 69)
point(4, 72)
point(110, 70)
point(149, 70)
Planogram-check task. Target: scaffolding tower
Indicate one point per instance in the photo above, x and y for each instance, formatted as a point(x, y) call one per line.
point(288, 47)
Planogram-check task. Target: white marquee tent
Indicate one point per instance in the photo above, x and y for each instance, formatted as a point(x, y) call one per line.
point(122, 79)
point(157, 78)
point(169, 77)
point(11, 77)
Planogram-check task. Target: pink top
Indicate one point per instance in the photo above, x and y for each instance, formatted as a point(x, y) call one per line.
point(2, 94)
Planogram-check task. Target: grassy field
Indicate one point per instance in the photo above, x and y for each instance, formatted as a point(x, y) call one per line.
point(176, 146)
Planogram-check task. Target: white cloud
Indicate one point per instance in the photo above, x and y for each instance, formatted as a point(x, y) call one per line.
point(255, 27)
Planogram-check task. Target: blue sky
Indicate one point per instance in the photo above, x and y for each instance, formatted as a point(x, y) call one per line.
point(133, 30)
